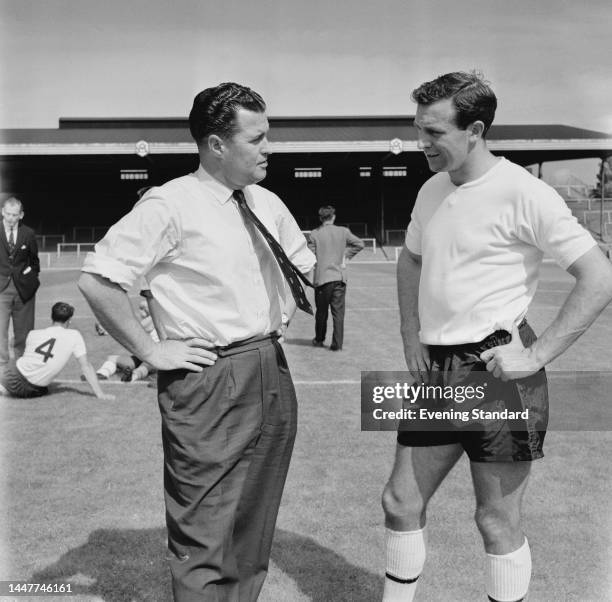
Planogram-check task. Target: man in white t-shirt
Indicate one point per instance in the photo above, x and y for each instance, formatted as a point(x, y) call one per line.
point(47, 351)
point(466, 277)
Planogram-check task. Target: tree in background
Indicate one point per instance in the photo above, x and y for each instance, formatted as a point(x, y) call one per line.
point(607, 179)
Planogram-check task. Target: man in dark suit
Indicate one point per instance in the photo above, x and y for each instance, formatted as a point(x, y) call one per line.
point(19, 268)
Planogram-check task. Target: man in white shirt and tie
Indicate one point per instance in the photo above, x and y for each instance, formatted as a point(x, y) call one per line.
point(228, 413)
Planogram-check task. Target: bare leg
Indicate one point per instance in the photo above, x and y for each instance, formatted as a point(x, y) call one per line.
point(499, 489)
point(416, 475)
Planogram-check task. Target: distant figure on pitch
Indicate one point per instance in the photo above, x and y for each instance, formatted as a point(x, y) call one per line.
point(131, 367)
point(332, 245)
point(47, 351)
point(19, 268)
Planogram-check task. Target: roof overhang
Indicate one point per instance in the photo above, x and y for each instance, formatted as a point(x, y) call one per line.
point(314, 146)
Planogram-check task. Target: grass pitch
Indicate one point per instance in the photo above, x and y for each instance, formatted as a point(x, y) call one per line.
point(82, 478)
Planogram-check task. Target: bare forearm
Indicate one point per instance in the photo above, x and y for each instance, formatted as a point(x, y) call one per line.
point(112, 308)
point(408, 277)
point(92, 379)
point(586, 301)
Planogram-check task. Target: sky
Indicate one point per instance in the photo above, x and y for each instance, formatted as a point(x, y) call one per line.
point(548, 60)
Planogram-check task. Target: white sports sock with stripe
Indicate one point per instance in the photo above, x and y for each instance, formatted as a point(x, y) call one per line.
point(109, 367)
point(140, 373)
point(405, 560)
point(508, 575)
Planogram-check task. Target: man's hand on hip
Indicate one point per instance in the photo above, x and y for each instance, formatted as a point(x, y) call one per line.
point(417, 358)
point(511, 361)
point(190, 354)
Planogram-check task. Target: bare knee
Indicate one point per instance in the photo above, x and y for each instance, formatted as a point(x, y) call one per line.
point(500, 528)
point(404, 510)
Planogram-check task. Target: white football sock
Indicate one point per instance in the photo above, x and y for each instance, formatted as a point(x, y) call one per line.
point(405, 560)
point(109, 367)
point(140, 373)
point(508, 575)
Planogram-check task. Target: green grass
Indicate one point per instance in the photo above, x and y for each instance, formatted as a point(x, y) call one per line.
point(82, 479)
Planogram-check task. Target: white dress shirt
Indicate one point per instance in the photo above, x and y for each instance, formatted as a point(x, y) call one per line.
point(212, 275)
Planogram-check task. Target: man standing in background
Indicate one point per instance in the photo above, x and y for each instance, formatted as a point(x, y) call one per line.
point(19, 268)
point(332, 245)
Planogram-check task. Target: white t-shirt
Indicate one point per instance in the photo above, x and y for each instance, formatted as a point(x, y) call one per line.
point(47, 351)
point(482, 245)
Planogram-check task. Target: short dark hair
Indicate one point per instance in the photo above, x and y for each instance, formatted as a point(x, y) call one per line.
point(62, 312)
point(214, 110)
point(326, 212)
point(472, 97)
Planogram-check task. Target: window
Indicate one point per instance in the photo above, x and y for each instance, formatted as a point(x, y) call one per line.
point(134, 174)
point(395, 172)
point(308, 172)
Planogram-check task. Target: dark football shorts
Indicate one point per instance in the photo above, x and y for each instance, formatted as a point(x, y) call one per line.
point(137, 361)
point(18, 385)
point(519, 437)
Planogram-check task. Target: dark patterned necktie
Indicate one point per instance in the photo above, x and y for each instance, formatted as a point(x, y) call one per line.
point(291, 273)
point(11, 241)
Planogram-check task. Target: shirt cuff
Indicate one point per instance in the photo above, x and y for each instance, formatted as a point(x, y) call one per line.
point(111, 269)
point(304, 261)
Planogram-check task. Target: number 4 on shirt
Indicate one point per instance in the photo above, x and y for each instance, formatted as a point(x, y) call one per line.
point(45, 349)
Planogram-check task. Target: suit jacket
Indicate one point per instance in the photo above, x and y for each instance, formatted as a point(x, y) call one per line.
point(332, 244)
point(22, 264)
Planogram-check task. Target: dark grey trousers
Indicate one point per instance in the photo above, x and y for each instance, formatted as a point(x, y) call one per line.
point(330, 295)
point(228, 434)
point(22, 313)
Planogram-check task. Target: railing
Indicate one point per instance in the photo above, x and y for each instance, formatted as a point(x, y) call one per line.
point(92, 232)
point(358, 228)
point(393, 236)
point(42, 239)
point(574, 191)
point(76, 245)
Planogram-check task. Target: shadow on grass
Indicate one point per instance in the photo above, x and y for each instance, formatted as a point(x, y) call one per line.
point(129, 566)
point(301, 343)
point(322, 574)
point(58, 388)
point(125, 565)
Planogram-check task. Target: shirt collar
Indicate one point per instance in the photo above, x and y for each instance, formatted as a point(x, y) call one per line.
point(219, 190)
